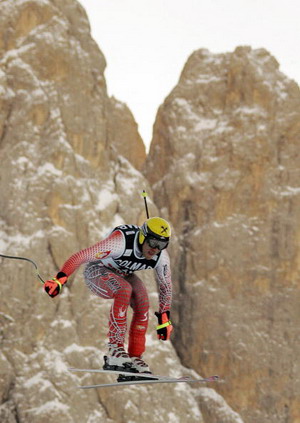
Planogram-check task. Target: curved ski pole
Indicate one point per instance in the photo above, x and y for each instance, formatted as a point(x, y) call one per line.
point(26, 259)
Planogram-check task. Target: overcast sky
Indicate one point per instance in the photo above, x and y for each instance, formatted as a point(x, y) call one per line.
point(147, 42)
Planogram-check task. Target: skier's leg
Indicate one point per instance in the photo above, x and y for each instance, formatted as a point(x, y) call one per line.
point(118, 311)
point(107, 284)
point(139, 324)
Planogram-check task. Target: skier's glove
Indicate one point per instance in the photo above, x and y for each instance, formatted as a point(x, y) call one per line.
point(54, 286)
point(164, 327)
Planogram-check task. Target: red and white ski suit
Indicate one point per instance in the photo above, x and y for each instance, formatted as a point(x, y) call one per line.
point(110, 274)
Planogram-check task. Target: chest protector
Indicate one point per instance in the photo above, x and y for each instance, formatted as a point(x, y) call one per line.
point(131, 259)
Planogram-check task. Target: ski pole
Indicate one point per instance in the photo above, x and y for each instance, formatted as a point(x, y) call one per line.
point(27, 259)
point(144, 194)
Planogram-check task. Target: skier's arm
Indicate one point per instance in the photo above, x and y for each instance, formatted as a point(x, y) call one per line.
point(109, 246)
point(163, 278)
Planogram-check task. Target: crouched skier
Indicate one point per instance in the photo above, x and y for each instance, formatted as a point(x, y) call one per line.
point(110, 273)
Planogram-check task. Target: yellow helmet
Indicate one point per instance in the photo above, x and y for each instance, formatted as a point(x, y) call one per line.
point(157, 228)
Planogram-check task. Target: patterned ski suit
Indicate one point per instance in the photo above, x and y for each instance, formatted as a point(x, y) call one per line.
point(110, 274)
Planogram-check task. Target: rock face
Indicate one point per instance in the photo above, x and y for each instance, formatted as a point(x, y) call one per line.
point(63, 184)
point(226, 161)
point(227, 169)
point(123, 133)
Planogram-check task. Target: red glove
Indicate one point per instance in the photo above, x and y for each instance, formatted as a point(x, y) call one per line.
point(164, 327)
point(54, 286)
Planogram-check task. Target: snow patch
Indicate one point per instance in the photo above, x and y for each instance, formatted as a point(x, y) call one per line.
point(205, 123)
point(62, 324)
point(18, 241)
point(54, 361)
point(49, 406)
point(95, 417)
point(172, 418)
point(7, 317)
point(287, 191)
point(78, 348)
point(38, 379)
point(199, 283)
point(222, 409)
point(105, 198)
point(207, 79)
point(48, 168)
point(249, 111)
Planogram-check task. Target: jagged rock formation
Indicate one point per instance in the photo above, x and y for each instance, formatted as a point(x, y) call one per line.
point(67, 176)
point(226, 157)
point(63, 185)
point(123, 133)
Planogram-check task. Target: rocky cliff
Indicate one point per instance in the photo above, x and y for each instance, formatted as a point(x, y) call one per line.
point(64, 181)
point(225, 152)
point(223, 167)
point(123, 133)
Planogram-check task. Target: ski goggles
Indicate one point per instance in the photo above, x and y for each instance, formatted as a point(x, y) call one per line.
point(156, 243)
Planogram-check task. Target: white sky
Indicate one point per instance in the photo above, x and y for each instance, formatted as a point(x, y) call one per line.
point(147, 42)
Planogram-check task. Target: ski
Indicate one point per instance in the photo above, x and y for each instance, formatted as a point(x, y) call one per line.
point(121, 372)
point(140, 378)
point(149, 381)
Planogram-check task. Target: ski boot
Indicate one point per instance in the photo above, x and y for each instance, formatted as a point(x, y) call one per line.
point(117, 359)
point(138, 366)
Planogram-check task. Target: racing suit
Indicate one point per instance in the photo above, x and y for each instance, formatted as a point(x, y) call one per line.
point(110, 273)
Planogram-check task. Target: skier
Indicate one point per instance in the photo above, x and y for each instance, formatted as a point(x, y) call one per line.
point(110, 273)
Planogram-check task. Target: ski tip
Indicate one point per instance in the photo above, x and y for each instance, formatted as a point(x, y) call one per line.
point(214, 378)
